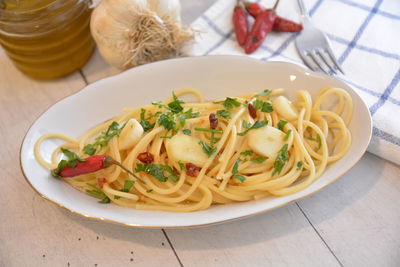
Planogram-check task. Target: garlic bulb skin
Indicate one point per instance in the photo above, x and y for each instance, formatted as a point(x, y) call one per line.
point(134, 32)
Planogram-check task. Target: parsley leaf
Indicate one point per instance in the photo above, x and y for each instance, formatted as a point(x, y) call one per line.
point(98, 193)
point(73, 158)
point(318, 140)
point(147, 126)
point(167, 121)
point(281, 124)
point(248, 126)
point(209, 150)
point(286, 137)
point(175, 106)
point(61, 165)
point(235, 171)
point(127, 186)
point(149, 190)
point(182, 166)
point(247, 153)
point(158, 171)
point(265, 93)
point(226, 114)
point(104, 138)
point(299, 165)
point(263, 106)
point(281, 159)
point(230, 103)
point(258, 160)
point(187, 131)
point(208, 130)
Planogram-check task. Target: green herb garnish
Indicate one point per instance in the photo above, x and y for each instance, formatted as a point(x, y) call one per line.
point(72, 157)
point(286, 137)
point(248, 126)
point(318, 140)
point(230, 103)
point(259, 159)
point(145, 122)
point(299, 165)
point(182, 166)
point(167, 121)
point(226, 114)
point(209, 150)
point(187, 131)
point(281, 159)
point(262, 106)
point(127, 185)
point(159, 171)
point(98, 193)
point(149, 190)
point(265, 93)
point(208, 130)
point(235, 171)
point(281, 124)
point(104, 138)
point(247, 153)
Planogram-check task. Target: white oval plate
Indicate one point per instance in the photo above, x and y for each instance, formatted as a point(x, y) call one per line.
point(215, 77)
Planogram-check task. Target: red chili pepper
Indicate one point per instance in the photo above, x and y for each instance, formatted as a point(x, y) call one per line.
point(280, 24)
point(260, 29)
point(240, 23)
point(285, 25)
point(92, 164)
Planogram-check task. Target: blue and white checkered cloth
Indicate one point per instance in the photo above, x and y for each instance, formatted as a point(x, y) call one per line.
point(365, 37)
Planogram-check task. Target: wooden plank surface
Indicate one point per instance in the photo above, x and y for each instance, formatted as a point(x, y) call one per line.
point(353, 222)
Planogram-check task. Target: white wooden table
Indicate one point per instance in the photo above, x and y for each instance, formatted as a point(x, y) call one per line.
point(354, 222)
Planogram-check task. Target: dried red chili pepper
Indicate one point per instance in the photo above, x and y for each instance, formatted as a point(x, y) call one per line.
point(280, 24)
point(146, 157)
point(285, 25)
point(91, 164)
point(252, 111)
point(260, 29)
point(213, 121)
point(240, 23)
point(192, 170)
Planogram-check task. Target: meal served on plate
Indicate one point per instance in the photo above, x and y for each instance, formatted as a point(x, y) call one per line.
point(178, 156)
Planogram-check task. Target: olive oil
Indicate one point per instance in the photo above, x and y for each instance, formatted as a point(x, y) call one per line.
point(46, 38)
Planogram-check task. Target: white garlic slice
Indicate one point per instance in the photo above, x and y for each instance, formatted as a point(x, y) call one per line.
point(131, 134)
point(266, 141)
point(186, 149)
point(285, 108)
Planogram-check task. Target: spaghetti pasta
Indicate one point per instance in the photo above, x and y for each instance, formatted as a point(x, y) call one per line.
point(184, 164)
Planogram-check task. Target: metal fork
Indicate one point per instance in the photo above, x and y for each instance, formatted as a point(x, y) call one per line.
point(313, 46)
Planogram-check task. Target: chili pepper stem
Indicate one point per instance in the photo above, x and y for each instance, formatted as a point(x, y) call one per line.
point(109, 161)
point(275, 6)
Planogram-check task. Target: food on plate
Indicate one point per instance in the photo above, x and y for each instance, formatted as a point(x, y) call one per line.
point(135, 32)
point(177, 156)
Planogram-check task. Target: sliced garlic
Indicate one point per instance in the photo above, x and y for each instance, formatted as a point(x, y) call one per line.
point(186, 149)
point(285, 108)
point(130, 135)
point(266, 141)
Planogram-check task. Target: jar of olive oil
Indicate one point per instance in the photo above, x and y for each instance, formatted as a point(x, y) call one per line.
point(46, 39)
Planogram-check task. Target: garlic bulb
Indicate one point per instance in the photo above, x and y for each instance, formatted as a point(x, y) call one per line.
point(134, 32)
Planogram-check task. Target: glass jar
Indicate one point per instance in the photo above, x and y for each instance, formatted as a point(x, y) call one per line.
point(46, 38)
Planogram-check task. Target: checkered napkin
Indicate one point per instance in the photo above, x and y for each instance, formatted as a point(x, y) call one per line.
point(365, 37)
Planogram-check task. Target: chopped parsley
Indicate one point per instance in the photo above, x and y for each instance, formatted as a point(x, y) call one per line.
point(167, 120)
point(286, 137)
point(175, 106)
point(262, 106)
point(230, 103)
point(247, 153)
point(127, 185)
point(208, 130)
point(265, 93)
point(98, 193)
point(226, 114)
point(187, 131)
point(149, 190)
point(299, 165)
point(145, 122)
point(209, 150)
point(235, 171)
point(259, 159)
point(318, 140)
point(104, 138)
point(281, 159)
point(159, 171)
point(248, 126)
point(281, 124)
point(182, 166)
